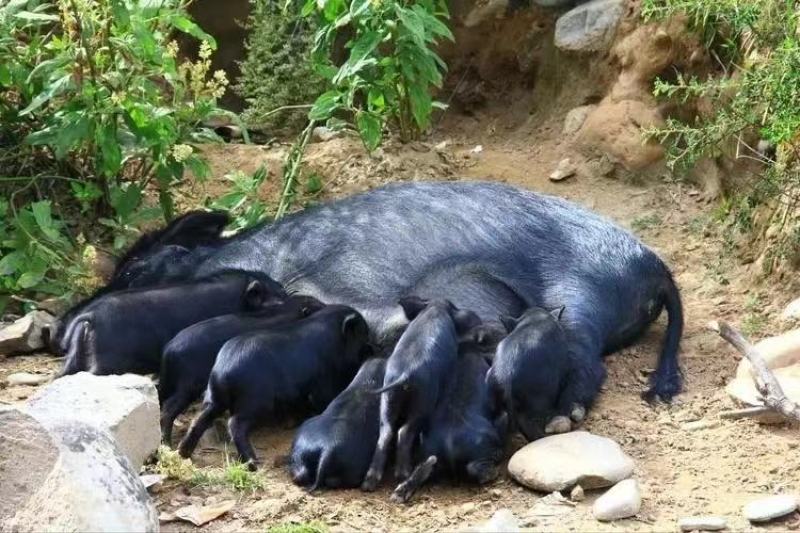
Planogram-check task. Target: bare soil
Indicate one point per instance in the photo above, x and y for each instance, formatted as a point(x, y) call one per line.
point(682, 472)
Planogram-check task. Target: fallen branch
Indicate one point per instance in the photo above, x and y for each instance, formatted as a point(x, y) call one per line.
point(747, 412)
point(765, 380)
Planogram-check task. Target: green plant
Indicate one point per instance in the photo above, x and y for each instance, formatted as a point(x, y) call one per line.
point(95, 110)
point(391, 67)
point(278, 77)
point(754, 96)
point(242, 201)
point(40, 255)
point(234, 475)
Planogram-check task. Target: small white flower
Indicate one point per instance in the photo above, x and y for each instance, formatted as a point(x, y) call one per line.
point(181, 152)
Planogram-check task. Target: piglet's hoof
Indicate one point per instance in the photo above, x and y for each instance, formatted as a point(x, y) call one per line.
point(369, 484)
point(578, 413)
point(559, 424)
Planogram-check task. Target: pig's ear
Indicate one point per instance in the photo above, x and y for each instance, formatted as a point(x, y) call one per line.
point(412, 306)
point(558, 311)
point(353, 324)
point(255, 295)
point(195, 228)
point(509, 322)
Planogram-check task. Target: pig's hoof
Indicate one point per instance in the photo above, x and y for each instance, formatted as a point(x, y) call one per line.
point(559, 424)
point(369, 484)
point(399, 496)
point(578, 413)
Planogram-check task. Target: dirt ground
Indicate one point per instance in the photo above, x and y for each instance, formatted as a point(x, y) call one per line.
point(682, 472)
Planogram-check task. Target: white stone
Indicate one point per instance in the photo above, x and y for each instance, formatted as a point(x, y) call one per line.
point(67, 476)
point(502, 521)
point(324, 134)
point(577, 494)
point(576, 117)
point(125, 406)
point(623, 500)
point(771, 507)
point(564, 170)
point(559, 462)
point(743, 390)
point(702, 523)
point(589, 27)
point(26, 378)
point(792, 310)
point(778, 352)
point(25, 334)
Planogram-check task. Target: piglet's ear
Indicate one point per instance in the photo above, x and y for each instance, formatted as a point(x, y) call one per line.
point(255, 295)
point(558, 311)
point(465, 320)
point(412, 306)
point(509, 322)
point(351, 323)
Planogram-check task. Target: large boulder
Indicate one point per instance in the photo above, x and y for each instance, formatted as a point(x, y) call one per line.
point(560, 462)
point(66, 475)
point(25, 334)
point(125, 406)
point(589, 27)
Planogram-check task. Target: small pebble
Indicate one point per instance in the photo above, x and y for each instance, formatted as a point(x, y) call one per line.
point(577, 494)
point(623, 500)
point(702, 523)
point(503, 520)
point(769, 508)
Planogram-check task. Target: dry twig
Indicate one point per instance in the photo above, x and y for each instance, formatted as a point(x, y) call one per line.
point(765, 380)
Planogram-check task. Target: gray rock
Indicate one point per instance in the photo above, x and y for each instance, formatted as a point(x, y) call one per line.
point(26, 378)
point(589, 27)
point(702, 523)
point(771, 507)
point(577, 494)
point(323, 134)
point(576, 117)
point(623, 500)
point(502, 521)
point(125, 406)
point(67, 476)
point(560, 462)
point(25, 334)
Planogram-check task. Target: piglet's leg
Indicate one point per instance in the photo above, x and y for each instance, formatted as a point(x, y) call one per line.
point(199, 426)
point(239, 429)
point(418, 477)
point(378, 465)
point(406, 436)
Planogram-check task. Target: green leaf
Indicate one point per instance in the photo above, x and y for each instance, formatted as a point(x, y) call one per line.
point(421, 108)
point(325, 105)
point(125, 199)
point(166, 203)
point(43, 215)
point(198, 166)
point(39, 17)
point(11, 263)
point(369, 127)
point(70, 134)
point(187, 26)
point(110, 151)
point(5, 75)
point(411, 21)
point(30, 279)
point(54, 89)
point(120, 11)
